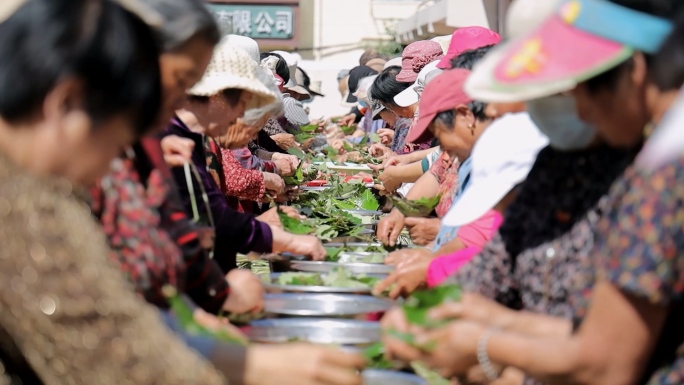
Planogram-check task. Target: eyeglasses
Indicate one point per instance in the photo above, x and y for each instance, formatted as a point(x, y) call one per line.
point(205, 224)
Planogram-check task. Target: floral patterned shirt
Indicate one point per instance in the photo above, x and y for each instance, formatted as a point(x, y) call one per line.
point(242, 183)
point(445, 169)
point(151, 238)
point(640, 249)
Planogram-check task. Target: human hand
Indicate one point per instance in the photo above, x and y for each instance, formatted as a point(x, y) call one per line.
point(379, 151)
point(302, 364)
point(293, 160)
point(422, 230)
point(347, 120)
point(386, 136)
point(274, 183)
point(284, 140)
point(395, 321)
point(408, 276)
point(453, 347)
point(246, 292)
point(215, 324)
point(477, 308)
point(307, 245)
point(400, 256)
point(284, 166)
point(391, 161)
point(177, 151)
point(337, 145)
point(391, 178)
point(390, 227)
point(272, 218)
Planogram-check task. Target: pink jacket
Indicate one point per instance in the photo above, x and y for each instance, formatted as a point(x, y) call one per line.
point(474, 235)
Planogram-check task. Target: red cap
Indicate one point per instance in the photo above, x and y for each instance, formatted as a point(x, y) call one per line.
point(443, 93)
point(416, 56)
point(467, 38)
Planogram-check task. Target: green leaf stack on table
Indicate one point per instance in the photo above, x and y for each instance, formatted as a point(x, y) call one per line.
point(415, 208)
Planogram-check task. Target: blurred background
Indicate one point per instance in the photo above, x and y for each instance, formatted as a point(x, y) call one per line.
point(331, 35)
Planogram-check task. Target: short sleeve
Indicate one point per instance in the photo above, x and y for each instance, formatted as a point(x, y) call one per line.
point(640, 243)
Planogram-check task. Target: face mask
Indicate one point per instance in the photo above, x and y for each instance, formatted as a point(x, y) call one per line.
point(363, 104)
point(556, 117)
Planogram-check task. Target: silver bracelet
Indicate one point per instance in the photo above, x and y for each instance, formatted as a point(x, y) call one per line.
point(483, 357)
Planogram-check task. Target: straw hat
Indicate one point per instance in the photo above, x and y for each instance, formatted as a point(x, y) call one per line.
point(247, 44)
point(233, 68)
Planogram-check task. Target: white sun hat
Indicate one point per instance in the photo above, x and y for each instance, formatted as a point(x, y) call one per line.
point(522, 18)
point(247, 44)
point(233, 68)
point(412, 94)
point(502, 157)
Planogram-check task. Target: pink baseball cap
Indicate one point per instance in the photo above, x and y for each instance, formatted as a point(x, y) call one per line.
point(466, 39)
point(416, 56)
point(578, 41)
point(443, 93)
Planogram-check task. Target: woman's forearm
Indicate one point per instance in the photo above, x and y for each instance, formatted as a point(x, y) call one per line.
point(410, 173)
point(535, 324)
point(426, 187)
point(416, 156)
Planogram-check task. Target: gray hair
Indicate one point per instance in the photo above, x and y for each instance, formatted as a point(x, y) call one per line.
point(255, 115)
point(183, 20)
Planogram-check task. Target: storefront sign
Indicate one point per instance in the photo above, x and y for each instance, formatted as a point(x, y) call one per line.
point(255, 21)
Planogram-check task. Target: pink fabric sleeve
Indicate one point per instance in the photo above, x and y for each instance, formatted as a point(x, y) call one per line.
point(442, 267)
point(475, 236)
point(479, 232)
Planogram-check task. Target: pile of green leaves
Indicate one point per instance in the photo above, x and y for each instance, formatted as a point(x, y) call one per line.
point(415, 208)
point(375, 357)
point(327, 210)
point(339, 277)
point(348, 130)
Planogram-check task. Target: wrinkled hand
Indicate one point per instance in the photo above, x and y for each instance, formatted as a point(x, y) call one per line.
point(284, 166)
point(307, 245)
point(455, 347)
point(246, 292)
point(474, 307)
point(395, 321)
point(386, 136)
point(422, 230)
point(271, 215)
point(354, 156)
point(409, 275)
point(337, 145)
point(302, 364)
point(284, 141)
point(391, 161)
point(274, 183)
point(380, 151)
point(177, 151)
point(294, 162)
point(334, 132)
point(213, 323)
point(347, 120)
point(390, 227)
point(390, 178)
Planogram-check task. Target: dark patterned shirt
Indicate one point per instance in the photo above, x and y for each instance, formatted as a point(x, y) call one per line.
point(534, 260)
point(547, 231)
point(401, 130)
point(235, 232)
point(640, 249)
point(150, 235)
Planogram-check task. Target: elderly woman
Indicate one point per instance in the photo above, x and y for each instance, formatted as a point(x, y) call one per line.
point(629, 332)
point(245, 187)
point(228, 88)
point(86, 100)
point(442, 179)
